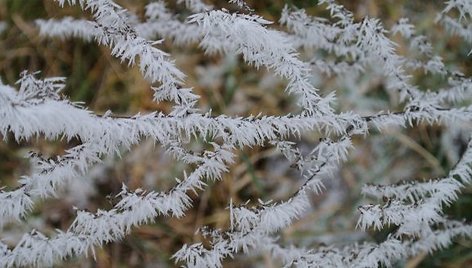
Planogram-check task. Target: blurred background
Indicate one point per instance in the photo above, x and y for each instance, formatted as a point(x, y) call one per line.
point(228, 86)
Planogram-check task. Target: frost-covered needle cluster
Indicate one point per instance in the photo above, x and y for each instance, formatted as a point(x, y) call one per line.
point(35, 107)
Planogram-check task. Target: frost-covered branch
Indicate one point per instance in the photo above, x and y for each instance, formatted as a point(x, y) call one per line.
point(344, 46)
point(135, 208)
point(112, 28)
point(249, 225)
point(247, 35)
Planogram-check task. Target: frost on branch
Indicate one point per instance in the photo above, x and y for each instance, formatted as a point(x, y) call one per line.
point(461, 25)
point(112, 27)
point(301, 52)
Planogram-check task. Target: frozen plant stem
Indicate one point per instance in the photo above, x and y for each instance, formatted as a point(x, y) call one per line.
point(36, 107)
